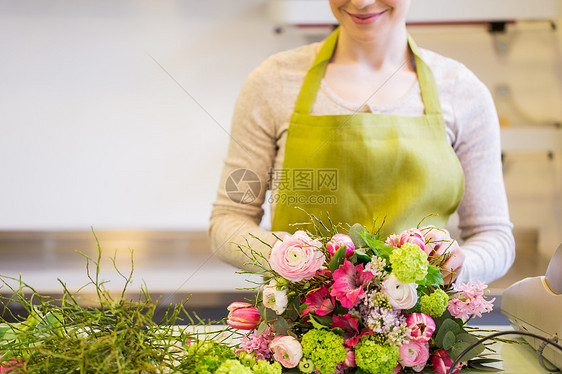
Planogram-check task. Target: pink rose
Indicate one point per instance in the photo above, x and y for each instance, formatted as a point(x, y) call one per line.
point(414, 354)
point(401, 295)
point(441, 362)
point(286, 350)
point(338, 241)
point(243, 316)
point(421, 326)
point(413, 236)
point(297, 257)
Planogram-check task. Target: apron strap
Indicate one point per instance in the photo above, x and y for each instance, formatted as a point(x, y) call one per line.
point(428, 88)
point(313, 78)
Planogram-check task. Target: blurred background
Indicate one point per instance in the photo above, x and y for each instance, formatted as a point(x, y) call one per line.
point(115, 117)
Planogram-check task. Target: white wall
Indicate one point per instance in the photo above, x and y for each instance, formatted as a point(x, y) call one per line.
point(115, 114)
point(95, 132)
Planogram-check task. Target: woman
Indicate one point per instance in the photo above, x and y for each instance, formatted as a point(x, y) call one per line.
point(373, 127)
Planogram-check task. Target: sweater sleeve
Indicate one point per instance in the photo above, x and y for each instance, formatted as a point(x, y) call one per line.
point(237, 211)
point(486, 231)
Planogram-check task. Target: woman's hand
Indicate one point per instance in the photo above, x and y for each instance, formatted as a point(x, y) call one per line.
point(439, 243)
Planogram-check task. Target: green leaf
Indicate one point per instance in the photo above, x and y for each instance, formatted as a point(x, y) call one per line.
point(281, 326)
point(378, 247)
point(292, 371)
point(360, 371)
point(448, 340)
point(261, 328)
point(338, 259)
point(315, 323)
point(464, 340)
point(448, 325)
point(3, 329)
point(433, 278)
point(361, 257)
point(355, 234)
point(269, 315)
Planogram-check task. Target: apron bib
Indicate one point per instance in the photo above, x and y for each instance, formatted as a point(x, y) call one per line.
point(368, 167)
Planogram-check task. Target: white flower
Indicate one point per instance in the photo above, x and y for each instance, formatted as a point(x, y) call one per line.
point(401, 295)
point(275, 299)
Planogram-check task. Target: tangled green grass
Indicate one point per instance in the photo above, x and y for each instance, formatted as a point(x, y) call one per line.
point(115, 335)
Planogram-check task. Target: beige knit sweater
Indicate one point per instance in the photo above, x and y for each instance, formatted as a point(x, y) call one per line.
point(259, 132)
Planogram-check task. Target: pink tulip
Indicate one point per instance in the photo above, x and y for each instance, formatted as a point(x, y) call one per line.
point(414, 354)
point(441, 362)
point(421, 326)
point(413, 236)
point(349, 361)
point(286, 350)
point(338, 241)
point(243, 316)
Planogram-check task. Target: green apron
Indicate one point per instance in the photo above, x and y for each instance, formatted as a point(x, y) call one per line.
point(366, 168)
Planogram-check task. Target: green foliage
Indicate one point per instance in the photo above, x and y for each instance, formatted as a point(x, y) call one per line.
point(454, 339)
point(338, 259)
point(112, 336)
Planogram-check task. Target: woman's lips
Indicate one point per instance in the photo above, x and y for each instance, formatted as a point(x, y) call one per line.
point(366, 18)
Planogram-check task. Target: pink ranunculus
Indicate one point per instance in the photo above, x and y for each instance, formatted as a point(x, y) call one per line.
point(243, 316)
point(338, 241)
point(413, 236)
point(414, 355)
point(297, 257)
point(401, 295)
point(286, 350)
point(348, 283)
point(441, 362)
point(421, 326)
point(348, 323)
point(397, 368)
point(319, 301)
point(349, 361)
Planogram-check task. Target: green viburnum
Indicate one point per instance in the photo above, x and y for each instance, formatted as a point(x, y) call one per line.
point(207, 356)
point(306, 366)
point(435, 304)
point(409, 263)
point(376, 358)
point(233, 367)
point(324, 348)
point(264, 367)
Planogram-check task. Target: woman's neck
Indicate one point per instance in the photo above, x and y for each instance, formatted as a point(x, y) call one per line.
point(381, 52)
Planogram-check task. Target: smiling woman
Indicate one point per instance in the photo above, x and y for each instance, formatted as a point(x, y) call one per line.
point(385, 118)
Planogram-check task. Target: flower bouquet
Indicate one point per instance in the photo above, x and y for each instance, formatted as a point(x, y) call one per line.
point(358, 303)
